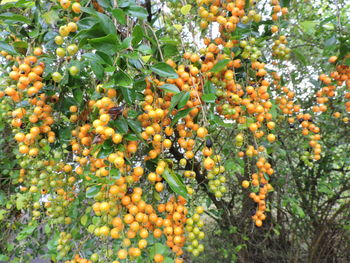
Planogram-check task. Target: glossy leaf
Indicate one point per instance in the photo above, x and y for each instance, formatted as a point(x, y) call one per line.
point(164, 70)
point(170, 88)
point(220, 65)
point(180, 115)
point(175, 182)
point(92, 191)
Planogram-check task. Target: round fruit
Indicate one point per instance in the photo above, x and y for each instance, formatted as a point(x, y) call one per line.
point(57, 77)
point(73, 70)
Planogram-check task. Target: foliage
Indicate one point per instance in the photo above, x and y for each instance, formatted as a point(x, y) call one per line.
point(175, 131)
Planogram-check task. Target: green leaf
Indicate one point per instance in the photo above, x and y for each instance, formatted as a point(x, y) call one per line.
point(180, 115)
point(97, 69)
point(4, 258)
point(184, 99)
point(325, 189)
point(137, 11)
point(107, 59)
point(135, 126)
point(92, 191)
point(84, 219)
point(145, 49)
point(285, 3)
point(115, 173)
point(175, 100)
point(8, 48)
point(78, 95)
point(107, 44)
point(105, 3)
point(170, 51)
point(347, 62)
point(300, 56)
point(220, 65)
point(298, 210)
point(107, 25)
point(12, 17)
point(164, 70)
point(128, 94)
point(158, 248)
point(170, 88)
point(93, 58)
point(119, 15)
point(209, 98)
point(104, 152)
point(27, 231)
point(122, 79)
point(121, 125)
point(51, 17)
point(137, 35)
point(330, 45)
point(175, 183)
point(2, 213)
point(21, 46)
point(209, 88)
point(308, 26)
point(185, 9)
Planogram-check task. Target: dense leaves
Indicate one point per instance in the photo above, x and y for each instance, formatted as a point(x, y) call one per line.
point(171, 131)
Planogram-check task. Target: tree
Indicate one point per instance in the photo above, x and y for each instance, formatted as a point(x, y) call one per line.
point(138, 125)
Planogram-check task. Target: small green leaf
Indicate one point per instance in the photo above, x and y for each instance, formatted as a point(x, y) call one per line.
point(220, 65)
point(104, 3)
point(209, 98)
point(106, 24)
point(128, 94)
point(170, 88)
point(119, 15)
point(121, 125)
point(21, 46)
point(92, 191)
point(135, 126)
point(285, 3)
point(137, 11)
point(104, 152)
point(8, 48)
point(170, 50)
point(175, 182)
point(178, 27)
point(115, 173)
point(107, 44)
point(164, 70)
point(97, 69)
point(300, 56)
point(175, 100)
point(93, 57)
point(4, 258)
point(158, 248)
point(78, 95)
point(168, 260)
point(122, 79)
point(137, 35)
point(12, 17)
point(184, 99)
point(308, 26)
point(180, 115)
point(51, 17)
point(209, 88)
point(83, 220)
point(27, 231)
point(145, 59)
point(186, 9)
